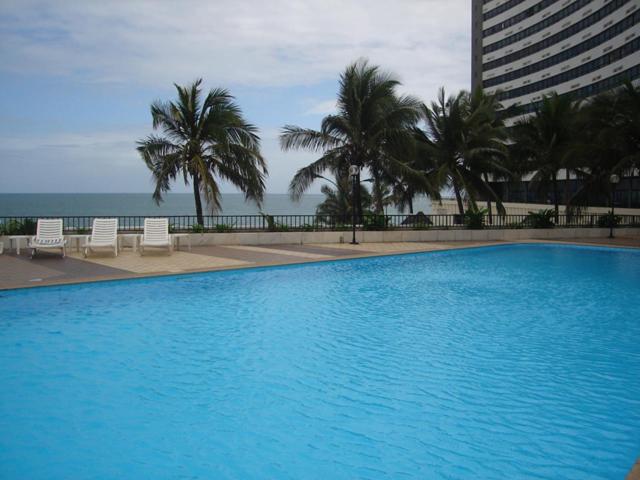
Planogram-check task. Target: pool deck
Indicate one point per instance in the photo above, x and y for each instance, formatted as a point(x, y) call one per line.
point(50, 269)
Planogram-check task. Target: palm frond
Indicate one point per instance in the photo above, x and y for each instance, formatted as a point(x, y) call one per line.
point(296, 138)
point(305, 176)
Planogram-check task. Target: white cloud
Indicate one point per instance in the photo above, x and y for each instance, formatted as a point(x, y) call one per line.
point(252, 42)
point(106, 161)
point(102, 161)
point(324, 107)
point(249, 44)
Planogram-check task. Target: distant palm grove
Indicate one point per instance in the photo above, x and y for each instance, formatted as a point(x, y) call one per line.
point(398, 147)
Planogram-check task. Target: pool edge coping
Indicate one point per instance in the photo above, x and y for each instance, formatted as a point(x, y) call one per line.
point(140, 276)
point(634, 471)
point(364, 255)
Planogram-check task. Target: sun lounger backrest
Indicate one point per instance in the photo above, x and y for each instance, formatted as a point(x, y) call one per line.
point(49, 229)
point(104, 230)
point(156, 229)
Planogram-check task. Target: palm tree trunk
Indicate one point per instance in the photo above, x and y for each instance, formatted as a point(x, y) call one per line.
point(486, 180)
point(411, 203)
point(196, 195)
point(555, 197)
point(377, 193)
point(566, 188)
point(358, 200)
point(378, 200)
point(456, 190)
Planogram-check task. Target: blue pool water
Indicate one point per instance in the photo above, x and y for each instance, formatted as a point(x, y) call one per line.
point(504, 362)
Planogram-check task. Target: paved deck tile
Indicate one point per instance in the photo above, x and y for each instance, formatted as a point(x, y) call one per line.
point(21, 270)
point(16, 272)
point(161, 262)
point(280, 251)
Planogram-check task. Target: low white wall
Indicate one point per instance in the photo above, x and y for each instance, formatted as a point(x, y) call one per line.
point(274, 238)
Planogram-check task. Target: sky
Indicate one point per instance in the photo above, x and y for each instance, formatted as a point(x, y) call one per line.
point(77, 77)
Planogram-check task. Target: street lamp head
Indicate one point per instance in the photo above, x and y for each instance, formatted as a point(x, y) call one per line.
point(614, 179)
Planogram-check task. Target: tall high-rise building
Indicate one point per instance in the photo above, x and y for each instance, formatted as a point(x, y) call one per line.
point(524, 49)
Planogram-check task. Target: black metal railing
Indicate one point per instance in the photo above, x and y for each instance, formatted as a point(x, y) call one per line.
point(15, 225)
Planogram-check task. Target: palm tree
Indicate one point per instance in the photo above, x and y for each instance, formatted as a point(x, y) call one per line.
point(402, 189)
point(203, 141)
point(463, 142)
point(371, 126)
point(608, 143)
point(498, 163)
point(403, 194)
point(337, 202)
point(626, 103)
point(543, 143)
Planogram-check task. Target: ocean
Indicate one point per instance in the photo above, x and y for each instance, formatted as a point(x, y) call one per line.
point(122, 204)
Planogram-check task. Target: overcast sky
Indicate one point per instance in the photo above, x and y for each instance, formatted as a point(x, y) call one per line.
point(77, 77)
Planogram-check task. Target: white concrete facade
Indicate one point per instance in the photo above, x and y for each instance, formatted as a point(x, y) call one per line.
point(577, 47)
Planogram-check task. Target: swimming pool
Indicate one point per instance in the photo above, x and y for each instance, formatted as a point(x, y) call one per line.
point(517, 361)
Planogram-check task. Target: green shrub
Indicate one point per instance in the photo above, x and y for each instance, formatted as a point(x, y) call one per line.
point(375, 222)
point(29, 226)
point(272, 225)
point(15, 227)
point(271, 222)
point(474, 218)
point(609, 220)
point(540, 219)
point(9, 228)
point(308, 228)
point(197, 228)
point(223, 228)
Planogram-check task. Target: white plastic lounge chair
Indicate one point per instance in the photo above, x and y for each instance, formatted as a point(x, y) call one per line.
point(48, 236)
point(104, 234)
point(156, 234)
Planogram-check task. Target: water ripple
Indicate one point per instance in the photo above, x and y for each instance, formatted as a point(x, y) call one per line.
point(509, 362)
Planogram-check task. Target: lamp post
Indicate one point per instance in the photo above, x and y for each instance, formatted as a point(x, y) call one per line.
point(613, 180)
point(353, 173)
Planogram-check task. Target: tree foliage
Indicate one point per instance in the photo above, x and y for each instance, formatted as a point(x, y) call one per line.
point(204, 139)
